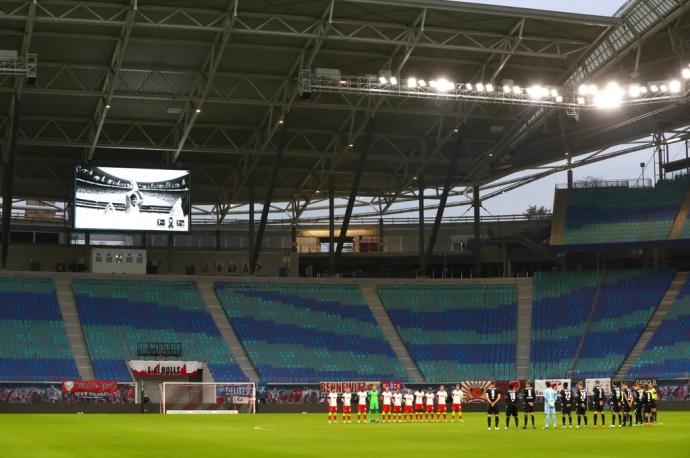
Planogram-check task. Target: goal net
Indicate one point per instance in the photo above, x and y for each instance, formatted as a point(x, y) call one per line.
point(207, 398)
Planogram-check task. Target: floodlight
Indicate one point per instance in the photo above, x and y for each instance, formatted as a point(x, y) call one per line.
point(634, 91)
point(411, 82)
point(394, 80)
point(674, 86)
point(489, 87)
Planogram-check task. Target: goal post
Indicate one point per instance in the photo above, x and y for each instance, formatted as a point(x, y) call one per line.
point(208, 397)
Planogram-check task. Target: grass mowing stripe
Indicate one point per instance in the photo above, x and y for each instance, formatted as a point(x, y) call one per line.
point(294, 435)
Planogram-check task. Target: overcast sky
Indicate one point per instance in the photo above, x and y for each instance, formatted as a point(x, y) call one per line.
point(541, 192)
point(601, 7)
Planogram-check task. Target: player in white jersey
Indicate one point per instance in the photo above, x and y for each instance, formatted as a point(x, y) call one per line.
point(387, 398)
point(397, 405)
point(457, 396)
point(409, 401)
point(361, 405)
point(332, 406)
point(442, 397)
point(418, 404)
point(347, 406)
point(429, 404)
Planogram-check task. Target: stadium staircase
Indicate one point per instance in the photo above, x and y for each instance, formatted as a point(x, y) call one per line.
point(592, 311)
point(560, 210)
point(666, 302)
point(681, 217)
point(524, 328)
point(374, 301)
point(75, 335)
point(210, 298)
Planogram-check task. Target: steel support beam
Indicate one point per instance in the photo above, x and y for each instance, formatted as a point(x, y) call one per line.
point(8, 184)
point(450, 178)
point(420, 227)
point(282, 143)
point(477, 205)
point(214, 58)
point(250, 236)
point(359, 170)
point(331, 223)
point(20, 81)
point(110, 83)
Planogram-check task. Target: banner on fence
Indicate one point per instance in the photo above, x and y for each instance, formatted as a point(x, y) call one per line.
point(556, 384)
point(90, 389)
point(605, 383)
point(92, 392)
point(165, 368)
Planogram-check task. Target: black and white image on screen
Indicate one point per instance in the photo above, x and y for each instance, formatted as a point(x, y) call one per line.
point(126, 199)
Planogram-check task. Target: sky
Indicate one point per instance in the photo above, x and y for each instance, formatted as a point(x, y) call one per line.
point(600, 7)
point(541, 192)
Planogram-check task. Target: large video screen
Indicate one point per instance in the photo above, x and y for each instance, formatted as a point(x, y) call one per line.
point(124, 199)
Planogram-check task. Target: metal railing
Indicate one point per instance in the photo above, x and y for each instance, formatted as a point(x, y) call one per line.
point(636, 183)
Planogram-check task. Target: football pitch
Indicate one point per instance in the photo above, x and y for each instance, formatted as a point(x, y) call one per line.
point(295, 435)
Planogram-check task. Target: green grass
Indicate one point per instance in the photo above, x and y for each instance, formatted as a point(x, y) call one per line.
point(294, 435)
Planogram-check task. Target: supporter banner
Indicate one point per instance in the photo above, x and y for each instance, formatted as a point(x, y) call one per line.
point(165, 368)
point(473, 390)
point(673, 390)
point(590, 383)
point(556, 384)
point(55, 393)
point(325, 387)
point(234, 394)
point(289, 394)
point(90, 389)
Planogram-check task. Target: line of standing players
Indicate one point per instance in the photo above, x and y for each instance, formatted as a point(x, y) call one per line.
point(629, 404)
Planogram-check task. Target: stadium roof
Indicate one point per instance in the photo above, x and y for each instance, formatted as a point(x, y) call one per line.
point(120, 83)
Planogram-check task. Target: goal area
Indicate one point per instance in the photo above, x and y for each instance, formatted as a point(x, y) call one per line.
point(208, 397)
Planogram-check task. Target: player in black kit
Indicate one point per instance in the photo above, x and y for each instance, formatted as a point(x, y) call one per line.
point(628, 401)
point(598, 403)
point(511, 406)
point(492, 396)
point(566, 404)
point(638, 395)
point(528, 397)
point(616, 402)
point(647, 406)
point(581, 403)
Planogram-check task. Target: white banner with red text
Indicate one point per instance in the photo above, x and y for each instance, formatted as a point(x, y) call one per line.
point(165, 368)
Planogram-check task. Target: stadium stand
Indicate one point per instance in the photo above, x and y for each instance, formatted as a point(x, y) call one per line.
point(667, 354)
point(625, 305)
point(623, 214)
point(456, 332)
point(560, 310)
point(34, 344)
point(308, 333)
point(116, 315)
